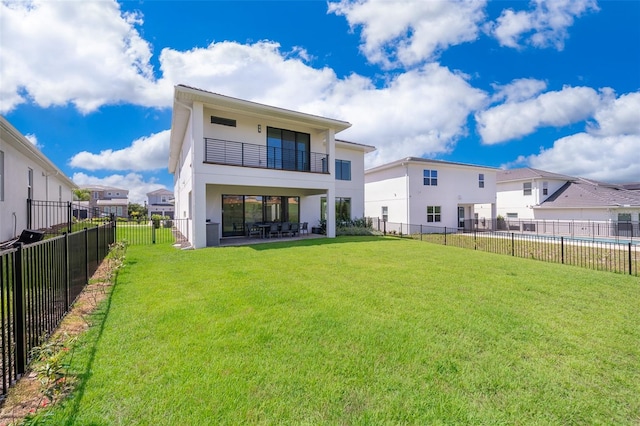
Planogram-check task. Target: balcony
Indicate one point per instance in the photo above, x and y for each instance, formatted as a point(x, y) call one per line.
point(217, 151)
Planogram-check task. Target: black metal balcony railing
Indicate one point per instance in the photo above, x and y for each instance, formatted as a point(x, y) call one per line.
point(231, 153)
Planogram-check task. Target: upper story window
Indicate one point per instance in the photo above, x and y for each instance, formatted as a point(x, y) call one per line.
point(385, 213)
point(223, 121)
point(60, 193)
point(481, 180)
point(95, 195)
point(430, 177)
point(526, 188)
point(343, 170)
point(512, 215)
point(545, 188)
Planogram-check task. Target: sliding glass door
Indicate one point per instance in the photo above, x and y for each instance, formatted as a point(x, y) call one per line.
point(288, 150)
point(241, 211)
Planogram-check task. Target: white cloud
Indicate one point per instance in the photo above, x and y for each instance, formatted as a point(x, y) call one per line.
point(607, 151)
point(134, 182)
point(609, 159)
point(513, 120)
point(544, 26)
point(87, 53)
point(410, 32)
point(33, 139)
point(421, 112)
point(518, 90)
point(147, 153)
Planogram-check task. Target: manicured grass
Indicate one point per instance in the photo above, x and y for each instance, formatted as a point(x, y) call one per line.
point(358, 330)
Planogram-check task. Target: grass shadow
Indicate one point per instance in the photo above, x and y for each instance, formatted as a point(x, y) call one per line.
point(98, 317)
point(317, 242)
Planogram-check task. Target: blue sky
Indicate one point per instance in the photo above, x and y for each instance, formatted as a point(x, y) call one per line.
point(552, 85)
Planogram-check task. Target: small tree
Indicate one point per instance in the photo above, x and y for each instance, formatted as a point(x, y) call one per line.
point(82, 194)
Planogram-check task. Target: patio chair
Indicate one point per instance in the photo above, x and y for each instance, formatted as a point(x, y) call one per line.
point(274, 229)
point(254, 230)
point(295, 228)
point(285, 229)
point(304, 229)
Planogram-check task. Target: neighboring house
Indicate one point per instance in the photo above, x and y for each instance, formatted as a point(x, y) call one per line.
point(107, 200)
point(237, 162)
point(528, 193)
point(25, 173)
point(420, 191)
point(160, 202)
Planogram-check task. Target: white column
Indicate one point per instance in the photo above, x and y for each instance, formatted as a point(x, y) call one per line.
point(199, 192)
point(331, 191)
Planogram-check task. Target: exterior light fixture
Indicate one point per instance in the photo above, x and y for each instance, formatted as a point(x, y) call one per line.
point(259, 128)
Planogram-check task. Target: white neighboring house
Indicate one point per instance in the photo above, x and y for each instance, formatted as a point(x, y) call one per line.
point(25, 173)
point(160, 202)
point(533, 194)
point(420, 191)
point(237, 162)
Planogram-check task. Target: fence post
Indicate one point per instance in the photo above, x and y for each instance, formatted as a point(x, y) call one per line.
point(562, 249)
point(67, 268)
point(153, 233)
point(86, 255)
point(19, 315)
point(630, 267)
point(420, 232)
point(445, 235)
point(69, 220)
point(475, 241)
point(384, 226)
point(513, 244)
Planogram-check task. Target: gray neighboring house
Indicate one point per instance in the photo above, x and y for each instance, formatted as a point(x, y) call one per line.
point(108, 200)
point(549, 203)
point(161, 202)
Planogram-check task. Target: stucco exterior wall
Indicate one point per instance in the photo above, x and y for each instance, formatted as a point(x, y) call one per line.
point(48, 184)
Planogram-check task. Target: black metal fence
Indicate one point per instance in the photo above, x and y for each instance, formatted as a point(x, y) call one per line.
point(614, 230)
point(38, 284)
point(157, 231)
point(59, 217)
point(593, 253)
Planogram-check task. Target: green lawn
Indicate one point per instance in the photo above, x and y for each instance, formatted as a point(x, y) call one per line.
point(358, 330)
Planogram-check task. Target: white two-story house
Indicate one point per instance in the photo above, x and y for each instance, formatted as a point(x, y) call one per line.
point(26, 173)
point(419, 191)
point(236, 162)
point(160, 202)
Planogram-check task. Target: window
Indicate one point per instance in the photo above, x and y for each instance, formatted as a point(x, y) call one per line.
point(287, 150)
point(223, 121)
point(30, 183)
point(343, 170)
point(545, 188)
point(624, 217)
point(430, 177)
point(512, 215)
point(343, 209)
point(526, 188)
point(481, 180)
point(60, 193)
point(1, 175)
point(385, 213)
point(433, 214)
